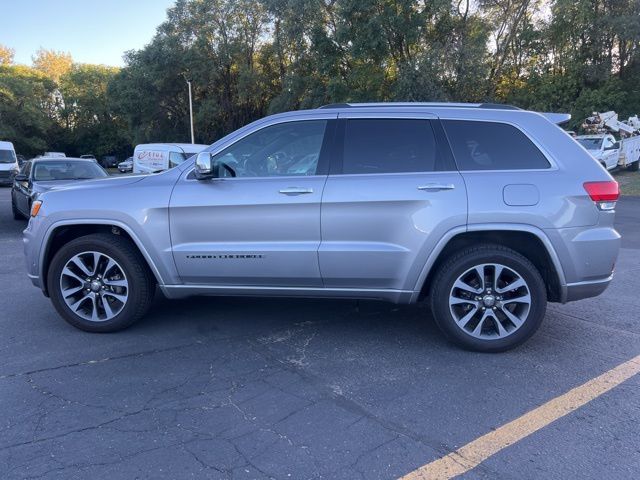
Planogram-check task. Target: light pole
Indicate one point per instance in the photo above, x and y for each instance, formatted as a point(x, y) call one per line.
point(191, 111)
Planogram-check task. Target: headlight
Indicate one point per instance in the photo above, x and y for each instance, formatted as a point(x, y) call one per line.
point(35, 207)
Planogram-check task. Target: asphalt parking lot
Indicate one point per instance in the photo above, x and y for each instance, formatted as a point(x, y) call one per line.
point(305, 389)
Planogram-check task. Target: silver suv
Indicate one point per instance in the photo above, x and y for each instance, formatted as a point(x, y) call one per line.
point(485, 211)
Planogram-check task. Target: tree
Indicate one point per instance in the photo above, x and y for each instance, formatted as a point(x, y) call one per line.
point(88, 118)
point(24, 99)
point(6, 55)
point(52, 63)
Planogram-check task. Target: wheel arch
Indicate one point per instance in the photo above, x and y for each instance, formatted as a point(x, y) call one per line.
point(62, 232)
point(527, 240)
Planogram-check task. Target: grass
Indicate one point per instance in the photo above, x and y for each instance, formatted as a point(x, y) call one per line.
point(629, 182)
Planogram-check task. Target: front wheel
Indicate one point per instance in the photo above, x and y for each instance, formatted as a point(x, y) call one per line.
point(488, 298)
point(100, 283)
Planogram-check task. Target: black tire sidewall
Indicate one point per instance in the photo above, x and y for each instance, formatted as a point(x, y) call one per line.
point(138, 283)
point(450, 272)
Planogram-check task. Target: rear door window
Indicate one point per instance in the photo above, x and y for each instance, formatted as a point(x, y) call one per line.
point(388, 145)
point(492, 146)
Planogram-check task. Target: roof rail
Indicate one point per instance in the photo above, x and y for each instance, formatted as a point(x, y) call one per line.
point(495, 106)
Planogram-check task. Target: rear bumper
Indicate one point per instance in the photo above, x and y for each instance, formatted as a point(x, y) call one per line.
point(580, 290)
point(587, 256)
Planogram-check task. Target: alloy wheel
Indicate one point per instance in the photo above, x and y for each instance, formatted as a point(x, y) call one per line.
point(490, 301)
point(94, 286)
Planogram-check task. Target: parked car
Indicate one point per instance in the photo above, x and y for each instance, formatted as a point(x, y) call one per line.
point(611, 153)
point(41, 174)
point(109, 161)
point(126, 166)
point(8, 163)
point(487, 212)
point(157, 157)
point(54, 155)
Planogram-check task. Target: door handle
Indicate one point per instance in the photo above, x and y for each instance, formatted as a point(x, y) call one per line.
point(296, 191)
point(434, 187)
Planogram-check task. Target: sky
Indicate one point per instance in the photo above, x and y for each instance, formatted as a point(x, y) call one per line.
point(92, 31)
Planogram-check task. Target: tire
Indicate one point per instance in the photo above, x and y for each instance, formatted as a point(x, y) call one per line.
point(634, 167)
point(107, 285)
point(480, 331)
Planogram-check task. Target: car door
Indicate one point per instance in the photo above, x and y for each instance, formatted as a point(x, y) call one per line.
point(610, 153)
point(260, 227)
point(22, 190)
point(393, 192)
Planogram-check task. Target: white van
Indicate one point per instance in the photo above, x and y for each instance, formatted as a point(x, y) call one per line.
point(8, 163)
point(156, 157)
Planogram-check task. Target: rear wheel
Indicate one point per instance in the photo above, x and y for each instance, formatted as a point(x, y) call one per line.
point(100, 283)
point(488, 298)
point(634, 167)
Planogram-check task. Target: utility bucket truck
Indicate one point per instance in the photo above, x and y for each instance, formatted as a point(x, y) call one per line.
point(601, 143)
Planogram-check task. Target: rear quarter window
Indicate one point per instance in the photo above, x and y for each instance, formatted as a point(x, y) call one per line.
point(492, 146)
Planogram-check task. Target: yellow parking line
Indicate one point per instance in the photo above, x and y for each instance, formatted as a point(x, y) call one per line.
point(476, 452)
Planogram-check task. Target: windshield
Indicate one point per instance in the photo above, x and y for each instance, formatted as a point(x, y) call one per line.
point(590, 143)
point(66, 170)
point(7, 156)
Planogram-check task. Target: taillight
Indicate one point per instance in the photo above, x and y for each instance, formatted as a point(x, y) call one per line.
point(605, 194)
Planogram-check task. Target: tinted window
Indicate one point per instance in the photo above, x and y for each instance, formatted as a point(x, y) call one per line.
point(388, 146)
point(492, 146)
point(285, 149)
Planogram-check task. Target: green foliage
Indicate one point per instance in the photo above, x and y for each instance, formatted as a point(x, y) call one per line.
point(25, 97)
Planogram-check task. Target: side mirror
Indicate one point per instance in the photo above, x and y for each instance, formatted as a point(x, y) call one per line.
point(204, 166)
point(21, 177)
point(207, 166)
point(616, 145)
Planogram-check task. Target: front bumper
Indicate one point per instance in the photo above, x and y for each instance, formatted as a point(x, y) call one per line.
point(31, 244)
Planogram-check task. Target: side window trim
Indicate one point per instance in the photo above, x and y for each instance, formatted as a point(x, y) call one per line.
point(327, 148)
point(445, 160)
